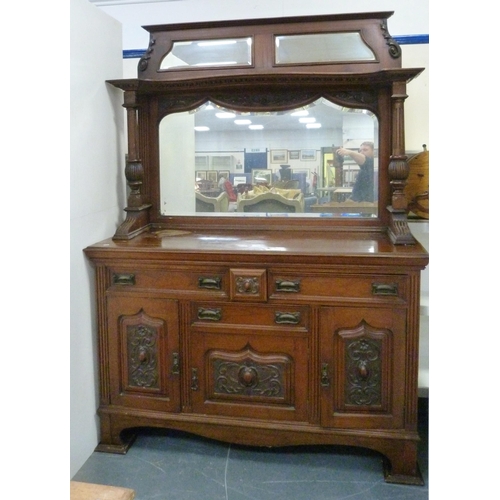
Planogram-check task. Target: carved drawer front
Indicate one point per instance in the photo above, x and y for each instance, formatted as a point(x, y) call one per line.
point(376, 287)
point(206, 281)
point(250, 376)
point(214, 315)
point(362, 367)
point(144, 357)
point(248, 285)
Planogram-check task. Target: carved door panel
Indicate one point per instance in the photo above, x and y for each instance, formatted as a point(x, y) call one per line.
point(144, 367)
point(362, 367)
point(250, 375)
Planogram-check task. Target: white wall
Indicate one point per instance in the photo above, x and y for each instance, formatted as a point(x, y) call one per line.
point(410, 16)
point(97, 188)
point(97, 181)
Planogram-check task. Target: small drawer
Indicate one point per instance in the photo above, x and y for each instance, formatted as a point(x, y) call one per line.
point(286, 316)
point(249, 285)
point(377, 287)
point(205, 281)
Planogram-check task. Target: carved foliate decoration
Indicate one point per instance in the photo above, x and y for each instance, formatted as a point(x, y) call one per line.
point(142, 350)
point(394, 48)
point(247, 285)
point(272, 100)
point(173, 104)
point(356, 99)
point(363, 372)
point(364, 368)
point(141, 347)
point(144, 60)
point(250, 376)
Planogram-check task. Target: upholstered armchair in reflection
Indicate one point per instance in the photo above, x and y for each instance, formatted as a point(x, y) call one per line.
point(271, 202)
point(212, 204)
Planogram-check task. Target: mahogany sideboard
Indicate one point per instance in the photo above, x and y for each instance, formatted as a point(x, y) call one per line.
point(264, 330)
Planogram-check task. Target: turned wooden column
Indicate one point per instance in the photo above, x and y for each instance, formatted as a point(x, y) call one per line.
point(137, 210)
point(398, 170)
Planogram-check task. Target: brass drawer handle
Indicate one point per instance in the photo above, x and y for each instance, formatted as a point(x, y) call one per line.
point(287, 318)
point(384, 289)
point(210, 283)
point(123, 279)
point(287, 286)
point(210, 314)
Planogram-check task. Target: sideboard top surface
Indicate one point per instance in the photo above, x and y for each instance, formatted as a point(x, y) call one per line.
point(273, 246)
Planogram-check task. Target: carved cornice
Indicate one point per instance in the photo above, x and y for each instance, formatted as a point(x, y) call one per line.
point(364, 82)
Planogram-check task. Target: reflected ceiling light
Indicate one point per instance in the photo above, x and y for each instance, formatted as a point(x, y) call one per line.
point(242, 122)
point(313, 125)
point(302, 112)
point(201, 129)
point(225, 115)
point(256, 127)
point(307, 120)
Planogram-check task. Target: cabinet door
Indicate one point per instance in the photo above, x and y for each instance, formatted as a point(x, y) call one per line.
point(144, 353)
point(257, 375)
point(362, 367)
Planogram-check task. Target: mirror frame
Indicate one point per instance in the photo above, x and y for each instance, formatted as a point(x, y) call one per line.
point(379, 86)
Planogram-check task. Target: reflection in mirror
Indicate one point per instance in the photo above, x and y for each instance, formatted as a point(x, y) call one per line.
point(197, 53)
point(315, 161)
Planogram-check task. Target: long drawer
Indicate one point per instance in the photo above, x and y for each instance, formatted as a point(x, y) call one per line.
point(204, 280)
point(289, 316)
point(392, 288)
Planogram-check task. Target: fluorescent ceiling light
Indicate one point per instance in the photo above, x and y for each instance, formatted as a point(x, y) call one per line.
point(201, 129)
point(242, 122)
point(225, 115)
point(256, 127)
point(307, 120)
point(302, 112)
point(313, 125)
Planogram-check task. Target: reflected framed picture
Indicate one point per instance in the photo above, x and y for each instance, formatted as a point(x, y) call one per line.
point(262, 176)
point(212, 175)
point(294, 155)
point(308, 154)
point(279, 155)
point(223, 173)
point(201, 175)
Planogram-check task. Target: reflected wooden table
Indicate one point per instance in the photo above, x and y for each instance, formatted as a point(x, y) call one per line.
point(337, 193)
point(345, 208)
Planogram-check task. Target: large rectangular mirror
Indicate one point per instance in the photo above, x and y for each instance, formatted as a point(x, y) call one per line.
point(318, 160)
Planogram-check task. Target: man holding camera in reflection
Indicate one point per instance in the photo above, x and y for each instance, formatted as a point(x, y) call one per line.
point(363, 189)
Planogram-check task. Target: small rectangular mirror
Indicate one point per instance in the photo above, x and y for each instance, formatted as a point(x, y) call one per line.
point(206, 53)
point(322, 48)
